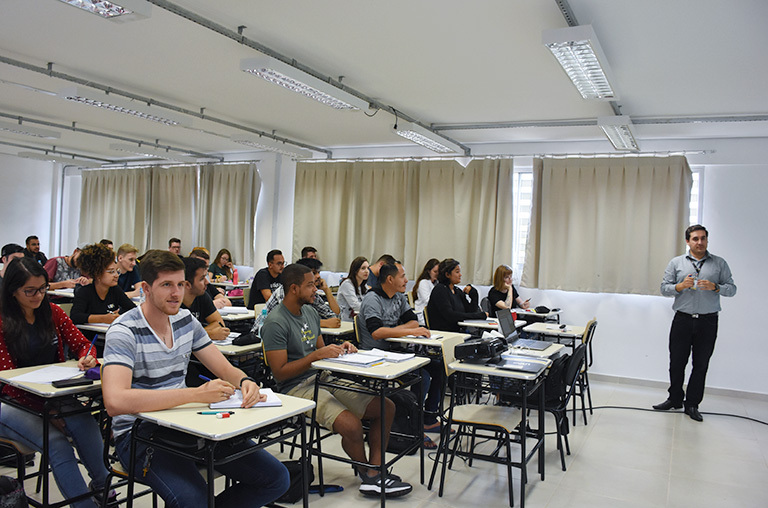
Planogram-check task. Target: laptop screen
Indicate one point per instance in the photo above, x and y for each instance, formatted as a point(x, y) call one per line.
point(506, 324)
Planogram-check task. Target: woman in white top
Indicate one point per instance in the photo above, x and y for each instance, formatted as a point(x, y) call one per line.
point(352, 289)
point(423, 288)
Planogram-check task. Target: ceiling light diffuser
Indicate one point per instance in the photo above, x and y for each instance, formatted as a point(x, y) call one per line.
point(121, 11)
point(147, 151)
point(578, 51)
point(17, 128)
point(619, 132)
point(287, 76)
point(113, 103)
point(63, 160)
point(263, 143)
point(421, 136)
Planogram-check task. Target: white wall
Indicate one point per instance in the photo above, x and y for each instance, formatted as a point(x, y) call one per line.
point(27, 201)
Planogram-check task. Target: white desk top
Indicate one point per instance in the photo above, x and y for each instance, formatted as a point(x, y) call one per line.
point(94, 327)
point(45, 389)
point(488, 324)
point(385, 370)
point(345, 328)
point(553, 330)
point(240, 316)
point(447, 339)
point(66, 293)
point(475, 368)
point(186, 419)
point(232, 350)
point(551, 351)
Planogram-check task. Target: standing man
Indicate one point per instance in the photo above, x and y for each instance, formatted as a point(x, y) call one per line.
point(174, 245)
point(146, 357)
point(267, 279)
point(696, 280)
point(33, 250)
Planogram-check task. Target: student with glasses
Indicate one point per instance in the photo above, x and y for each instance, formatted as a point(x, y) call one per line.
point(222, 266)
point(34, 331)
point(103, 300)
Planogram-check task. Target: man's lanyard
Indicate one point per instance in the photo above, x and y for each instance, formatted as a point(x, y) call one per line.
point(698, 266)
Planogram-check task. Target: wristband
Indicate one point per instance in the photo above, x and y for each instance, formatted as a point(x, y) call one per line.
point(247, 378)
point(717, 287)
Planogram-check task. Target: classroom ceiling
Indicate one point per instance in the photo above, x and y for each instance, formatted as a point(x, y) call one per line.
point(449, 64)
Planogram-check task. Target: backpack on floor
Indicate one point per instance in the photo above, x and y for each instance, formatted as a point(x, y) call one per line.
point(406, 421)
point(294, 492)
point(12, 493)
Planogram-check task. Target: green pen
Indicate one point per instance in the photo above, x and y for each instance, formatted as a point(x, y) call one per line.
point(215, 412)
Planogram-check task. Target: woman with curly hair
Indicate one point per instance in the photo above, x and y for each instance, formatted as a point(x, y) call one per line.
point(101, 301)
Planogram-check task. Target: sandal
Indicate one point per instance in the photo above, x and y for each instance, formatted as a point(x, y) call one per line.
point(428, 443)
point(435, 429)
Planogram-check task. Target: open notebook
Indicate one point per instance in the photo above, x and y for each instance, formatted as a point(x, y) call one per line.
point(236, 400)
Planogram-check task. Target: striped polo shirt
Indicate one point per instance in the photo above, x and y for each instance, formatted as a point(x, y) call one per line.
point(131, 342)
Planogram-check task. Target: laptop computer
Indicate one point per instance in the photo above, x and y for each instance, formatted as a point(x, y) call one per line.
point(507, 326)
point(521, 364)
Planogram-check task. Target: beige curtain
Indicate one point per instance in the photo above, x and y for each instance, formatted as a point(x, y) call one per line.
point(173, 206)
point(606, 224)
point(115, 205)
point(413, 210)
point(227, 211)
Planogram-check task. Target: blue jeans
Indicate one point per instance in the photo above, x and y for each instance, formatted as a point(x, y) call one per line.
point(262, 478)
point(82, 429)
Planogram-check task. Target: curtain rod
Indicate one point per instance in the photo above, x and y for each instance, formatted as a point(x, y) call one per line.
point(398, 159)
point(619, 155)
point(166, 165)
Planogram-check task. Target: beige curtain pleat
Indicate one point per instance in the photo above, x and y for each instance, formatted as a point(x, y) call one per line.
point(115, 205)
point(413, 210)
point(227, 211)
point(606, 224)
point(174, 196)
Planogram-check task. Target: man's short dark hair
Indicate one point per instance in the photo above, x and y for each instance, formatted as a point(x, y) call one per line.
point(30, 238)
point(445, 267)
point(173, 240)
point(271, 255)
point(313, 264)
point(306, 250)
point(294, 274)
point(191, 266)
point(11, 248)
point(388, 259)
point(386, 270)
point(200, 253)
point(157, 261)
point(695, 227)
point(105, 241)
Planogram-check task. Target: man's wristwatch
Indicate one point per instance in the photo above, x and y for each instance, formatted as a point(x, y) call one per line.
point(717, 287)
point(247, 378)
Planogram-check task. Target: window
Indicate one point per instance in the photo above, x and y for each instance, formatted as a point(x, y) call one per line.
point(522, 194)
point(695, 214)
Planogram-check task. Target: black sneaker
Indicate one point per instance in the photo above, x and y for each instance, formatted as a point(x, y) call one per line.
point(393, 486)
point(97, 496)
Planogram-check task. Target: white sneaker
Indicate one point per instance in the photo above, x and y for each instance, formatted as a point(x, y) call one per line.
point(393, 486)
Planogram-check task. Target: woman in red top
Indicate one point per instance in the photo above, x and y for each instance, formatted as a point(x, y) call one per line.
point(33, 331)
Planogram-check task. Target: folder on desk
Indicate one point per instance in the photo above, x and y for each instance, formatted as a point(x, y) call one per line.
point(359, 359)
point(390, 356)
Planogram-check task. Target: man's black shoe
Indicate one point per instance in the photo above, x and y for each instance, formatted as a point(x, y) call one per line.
point(693, 412)
point(667, 405)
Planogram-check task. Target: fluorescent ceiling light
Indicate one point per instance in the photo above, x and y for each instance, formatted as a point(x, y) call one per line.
point(151, 152)
point(579, 53)
point(17, 128)
point(425, 138)
point(113, 103)
point(287, 76)
point(263, 143)
point(121, 11)
point(62, 160)
point(619, 132)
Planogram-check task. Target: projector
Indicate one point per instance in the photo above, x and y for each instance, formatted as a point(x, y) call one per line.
point(480, 350)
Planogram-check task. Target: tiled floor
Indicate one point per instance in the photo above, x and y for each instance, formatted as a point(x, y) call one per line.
point(622, 459)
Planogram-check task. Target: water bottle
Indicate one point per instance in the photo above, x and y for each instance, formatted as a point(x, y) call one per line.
point(234, 276)
point(141, 295)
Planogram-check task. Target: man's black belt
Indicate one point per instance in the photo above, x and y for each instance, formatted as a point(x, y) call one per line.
point(697, 316)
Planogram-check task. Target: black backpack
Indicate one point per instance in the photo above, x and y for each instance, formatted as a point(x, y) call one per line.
point(406, 421)
point(12, 493)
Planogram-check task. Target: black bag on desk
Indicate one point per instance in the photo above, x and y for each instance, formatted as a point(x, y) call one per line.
point(294, 492)
point(406, 421)
point(12, 493)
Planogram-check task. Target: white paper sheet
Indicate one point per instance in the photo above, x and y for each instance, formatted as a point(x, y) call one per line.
point(49, 374)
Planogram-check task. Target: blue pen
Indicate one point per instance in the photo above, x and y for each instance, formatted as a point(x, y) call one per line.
point(204, 378)
point(93, 343)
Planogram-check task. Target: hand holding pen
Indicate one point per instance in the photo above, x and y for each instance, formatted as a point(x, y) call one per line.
point(214, 390)
point(88, 361)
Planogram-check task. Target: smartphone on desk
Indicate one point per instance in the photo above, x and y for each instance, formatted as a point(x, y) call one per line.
point(66, 383)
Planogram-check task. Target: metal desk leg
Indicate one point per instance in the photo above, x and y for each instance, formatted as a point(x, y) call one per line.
point(46, 449)
point(132, 465)
point(304, 469)
point(383, 444)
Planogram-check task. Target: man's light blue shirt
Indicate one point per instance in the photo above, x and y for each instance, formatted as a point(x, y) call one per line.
point(697, 301)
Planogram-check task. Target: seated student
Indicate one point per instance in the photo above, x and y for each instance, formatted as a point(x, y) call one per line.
point(324, 303)
point(32, 250)
point(174, 245)
point(63, 271)
point(447, 304)
point(103, 301)
point(373, 275)
point(425, 283)
point(222, 266)
point(146, 357)
point(34, 331)
point(292, 341)
point(10, 252)
point(218, 295)
point(503, 294)
point(352, 289)
point(267, 279)
point(107, 243)
point(198, 301)
point(309, 252)
point(129, 271)
point(385, 314)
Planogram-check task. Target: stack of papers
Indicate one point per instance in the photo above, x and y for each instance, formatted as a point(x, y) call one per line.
point(233, 310)
point(432, 336)
point(236, 400)
point(492, 334)
point(359, 359)
point(49, 374)
point(390, 356)
point(228, 341)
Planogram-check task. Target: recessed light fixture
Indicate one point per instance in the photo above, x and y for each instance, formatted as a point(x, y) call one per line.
point(121, 11)
point(579, 53)
point(619, 132)
point(287, 76)
point(113, 103)
point(18, 128)
point(263, 143)
point(421, 136)
point(147, 151)
point(62, 160)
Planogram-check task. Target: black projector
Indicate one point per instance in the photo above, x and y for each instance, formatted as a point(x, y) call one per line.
point(480, 350)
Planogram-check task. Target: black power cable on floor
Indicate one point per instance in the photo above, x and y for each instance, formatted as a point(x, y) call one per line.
point(681, 412)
